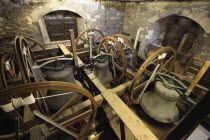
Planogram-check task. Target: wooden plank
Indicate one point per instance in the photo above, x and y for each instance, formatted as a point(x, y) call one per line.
point(96, 82)
point(130, 119)
point(119, 91)
point(185, 78)
point(191, 74)
point(64, 50)
point(198, 77)
point(116, 127)
point(182, 42)
point(137, 38)
point(74, 47)
point(194, 68)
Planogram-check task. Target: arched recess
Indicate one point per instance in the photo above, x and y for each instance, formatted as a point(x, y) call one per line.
point(179, 32)
point(38, 15)
point(58, 24)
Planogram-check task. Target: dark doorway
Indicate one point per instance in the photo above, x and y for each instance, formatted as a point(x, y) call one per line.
point(58, 24)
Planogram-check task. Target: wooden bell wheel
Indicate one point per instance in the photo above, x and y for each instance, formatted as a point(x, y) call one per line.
point(66, 120)
point(35, 45)
point(166, 65)
point(128, 49)
point(25, 57)
point(10, 72)
point(111, 46)
point(95, 35)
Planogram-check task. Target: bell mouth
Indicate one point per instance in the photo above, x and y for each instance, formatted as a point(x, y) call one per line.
point(159, 108)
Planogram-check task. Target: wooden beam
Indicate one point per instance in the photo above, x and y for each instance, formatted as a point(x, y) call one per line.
point(74, 46)
point(136, 39)
point(182, 43)
point(130, 119)
point(191, 120)
point(119, 91)
point(64, 50)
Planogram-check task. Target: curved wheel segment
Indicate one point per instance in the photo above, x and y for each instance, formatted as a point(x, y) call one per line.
point(111, 46)
point(89, 37)
point(67, 121)
point(25, 57)
point(10, 72)
point(128, 49)
point(35, 45)
point(164, 56)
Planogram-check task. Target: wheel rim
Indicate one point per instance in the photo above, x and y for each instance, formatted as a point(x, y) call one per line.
point(86, 32)
point(130, 45)
point(148, 62)
point(22, 90)
point(119, 53)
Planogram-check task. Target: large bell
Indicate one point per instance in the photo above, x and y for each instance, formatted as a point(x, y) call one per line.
point(65, 75)
point(101, 71)
point(160, 103)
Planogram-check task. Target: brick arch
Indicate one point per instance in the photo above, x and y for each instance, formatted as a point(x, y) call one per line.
point(57, 6)
point(165, 16)
point(202, 23)
point(38, 14)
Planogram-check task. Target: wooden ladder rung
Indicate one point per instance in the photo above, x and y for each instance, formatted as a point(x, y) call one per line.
point(198, 59)
point(194, 68)
point(190, 74)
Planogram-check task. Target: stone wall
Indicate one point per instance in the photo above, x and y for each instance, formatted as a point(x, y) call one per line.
point(142, 15)
point(23, 16)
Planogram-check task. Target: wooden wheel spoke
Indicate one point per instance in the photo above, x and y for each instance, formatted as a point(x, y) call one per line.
point(33, 45)
point(68, 118)
point(116, 55)
point(68, 104)
point(82, 39)
point(98, 38)
point(75, 119)
point(118, 67)
point(148, 61)
point(130, 51)
point(85, 33)
point(116, 50)
point(128, 44)
point(138, 87)
point(167, 62)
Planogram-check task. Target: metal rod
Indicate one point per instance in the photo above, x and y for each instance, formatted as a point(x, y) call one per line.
point(90, 46)
point(113, 64)
point(150, 79)
point(41, 116)
point(44, 103)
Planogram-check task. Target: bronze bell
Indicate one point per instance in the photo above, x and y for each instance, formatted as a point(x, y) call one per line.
point(160, 103)
point(66, 75)
point(59, 72)
point(101, 71)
